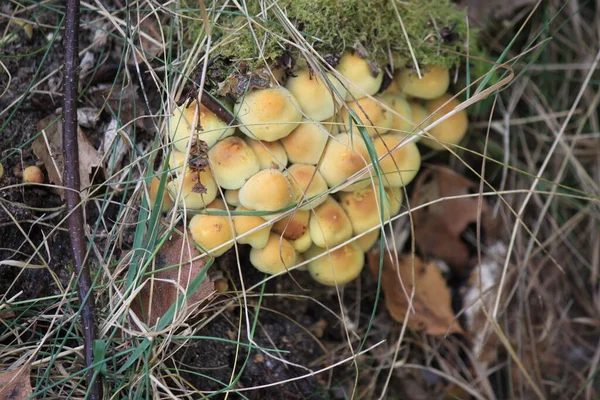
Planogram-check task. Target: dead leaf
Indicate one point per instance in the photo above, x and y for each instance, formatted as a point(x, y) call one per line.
point(16, 384)
point(431, 303)
point(438, 227)
point(162, 290)
point(48, 148)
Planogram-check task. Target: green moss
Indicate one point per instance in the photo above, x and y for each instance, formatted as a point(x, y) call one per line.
point(334, 26)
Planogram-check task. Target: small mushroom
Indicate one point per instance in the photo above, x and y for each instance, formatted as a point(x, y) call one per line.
point(401, 123)
point(317, 96)
point(450, 131)
point(307, 183)
point(212, 231)
point(233, 162)
point(434, 81)
point(368, 240)
point(208, 128)
point(294, 228)
point(399, 165)
point(270, 154)
point(232, 197)
point(306, 143)
point(329, 224)
point(338, 267)
point(245, 223)
point(364, 207)
point(268, 114)
point(362, 81)
point(344, 156)
point(33, 174)
point(419, 114)
point(277, 256)
point(268, 190)
point(167, 202)
point(376, 119)
point(177, 159)
point(198, 189)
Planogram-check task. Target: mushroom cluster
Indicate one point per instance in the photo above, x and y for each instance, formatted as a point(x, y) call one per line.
point(315, 167)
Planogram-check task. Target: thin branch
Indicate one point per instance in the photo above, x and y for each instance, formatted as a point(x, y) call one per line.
point(72, 181)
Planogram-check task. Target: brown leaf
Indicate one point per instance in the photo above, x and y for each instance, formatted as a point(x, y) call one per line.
point(438, 227)
point(163, 288)
point(51, 154)
point(15, 384)
point(431, 303)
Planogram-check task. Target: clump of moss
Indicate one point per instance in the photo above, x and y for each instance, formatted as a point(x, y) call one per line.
point(264, 36)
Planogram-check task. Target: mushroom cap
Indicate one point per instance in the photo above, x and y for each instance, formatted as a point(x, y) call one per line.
point(399, 166)
point(317, 99)
point(268, 190)
point(419, 114)
point(270, 154)
point(232, 162)
point(329, 224)
point(293, 226)
point(212, 231)
point(268, 114)
point(177, 159)
point(305, 144)
point(198, 189)
point(209, 127)
point(303, 243)
point(232, 197)
point(364, 206)
point(307, 183)
point(376, 119)
point(451, 130)
point(167, 202)
point(338, 267)
point(216, 204)
point(359, 74)
point(368, 240)
point(344, 156)
point(246, 223)
point(400, 123)
point(434, 81)
point(33, 174)
point(277, 256)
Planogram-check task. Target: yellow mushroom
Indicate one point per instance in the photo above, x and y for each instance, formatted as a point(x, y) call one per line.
point(208, 128)
point(434, 81)
point(268, 114)
point(294, 228)
point(271, 155)
point(33, 174)
point(450, 131)
point(401, 123)
point(419, 114)
point(375, 118)
point(212, 231)
point(268, 190)
point(167, 202)
point(306, 143)
point(344, 156)
point(316, 96)
point(329, 224)
point(338, 267)
point(366, 209)
point(361, 79)
point(198, 189)
point(277, 256)
point(307, 183)
point(233, 162)
point(232, 197)
point(245, 223)
point(368, 240)
point(399, 165)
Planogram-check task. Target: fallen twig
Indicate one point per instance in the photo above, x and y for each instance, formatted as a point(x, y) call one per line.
point(71, 158)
